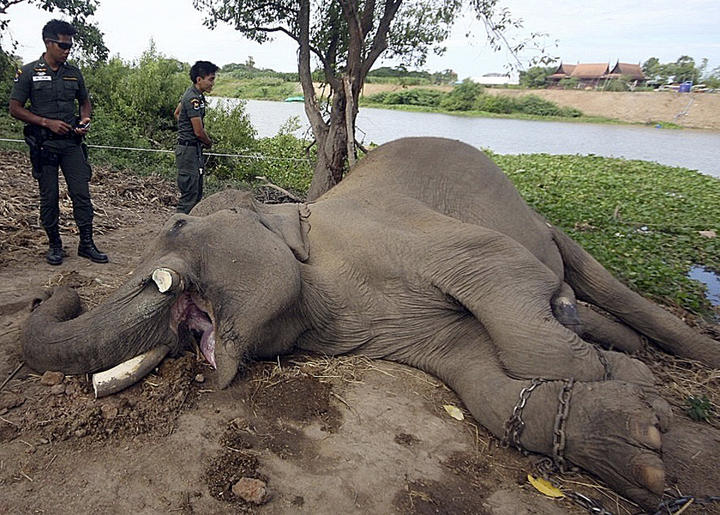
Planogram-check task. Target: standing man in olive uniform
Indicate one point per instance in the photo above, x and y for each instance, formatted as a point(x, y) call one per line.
point(192, 137)
point(54, 132)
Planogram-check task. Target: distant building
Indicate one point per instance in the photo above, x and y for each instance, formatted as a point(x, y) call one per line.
point(497, 79)
point(627, 71)
point(596, 74)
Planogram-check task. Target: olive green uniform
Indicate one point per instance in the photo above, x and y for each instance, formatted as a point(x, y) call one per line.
point(53, 94)
point(188, 152)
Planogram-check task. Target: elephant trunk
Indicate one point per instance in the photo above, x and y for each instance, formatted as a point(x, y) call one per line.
point(133, 320)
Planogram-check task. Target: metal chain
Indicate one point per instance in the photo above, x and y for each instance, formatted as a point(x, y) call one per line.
point(514, 425)
point(675, 505)
point(560, 420)
point(591, 505)
point(604, 362)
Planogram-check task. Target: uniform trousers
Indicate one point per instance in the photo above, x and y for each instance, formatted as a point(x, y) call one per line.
point(70, 157)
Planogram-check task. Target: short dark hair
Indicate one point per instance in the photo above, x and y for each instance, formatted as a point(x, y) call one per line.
point(54, 28)
point(202, 69)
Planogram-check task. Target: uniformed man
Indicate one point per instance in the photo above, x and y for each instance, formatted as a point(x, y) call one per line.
point(54, 132)
point(192, 137)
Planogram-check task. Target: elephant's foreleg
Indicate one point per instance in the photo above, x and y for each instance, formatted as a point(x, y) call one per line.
point(606, 332)
point(596, 285)
point(608, 427)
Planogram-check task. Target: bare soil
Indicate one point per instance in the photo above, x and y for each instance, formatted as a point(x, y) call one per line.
point(323, 435)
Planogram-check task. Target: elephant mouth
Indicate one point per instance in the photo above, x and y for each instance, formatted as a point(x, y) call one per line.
point(192, 317)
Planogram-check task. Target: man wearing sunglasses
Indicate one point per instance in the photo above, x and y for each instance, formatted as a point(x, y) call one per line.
point(54, 133)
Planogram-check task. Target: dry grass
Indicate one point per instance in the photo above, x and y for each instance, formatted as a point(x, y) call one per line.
point(119, 200)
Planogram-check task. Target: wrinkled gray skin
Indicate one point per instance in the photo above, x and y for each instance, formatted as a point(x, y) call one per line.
point(425, 255)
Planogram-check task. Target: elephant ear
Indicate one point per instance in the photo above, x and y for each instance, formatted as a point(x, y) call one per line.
point(286, 221)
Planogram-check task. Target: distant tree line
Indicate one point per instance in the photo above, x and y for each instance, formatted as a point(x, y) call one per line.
point(683, 69)
point(398, 74)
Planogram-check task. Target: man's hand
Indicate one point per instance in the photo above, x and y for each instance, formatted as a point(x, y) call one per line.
point(83, 127)
point(57, 126)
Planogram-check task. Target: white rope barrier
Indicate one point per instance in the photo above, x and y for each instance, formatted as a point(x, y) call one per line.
point(163, 151)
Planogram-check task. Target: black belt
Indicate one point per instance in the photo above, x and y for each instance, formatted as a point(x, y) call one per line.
point(69, 135)
point(188, 143)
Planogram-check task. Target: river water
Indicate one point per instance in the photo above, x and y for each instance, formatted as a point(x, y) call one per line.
point(694, 149)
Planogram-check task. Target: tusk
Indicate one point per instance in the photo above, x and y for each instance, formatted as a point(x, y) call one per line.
point(166, 279)
point(128, 372)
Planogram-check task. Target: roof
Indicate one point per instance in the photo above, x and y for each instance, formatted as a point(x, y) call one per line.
point(564, 69)
point(632, 71)
point(590, 71)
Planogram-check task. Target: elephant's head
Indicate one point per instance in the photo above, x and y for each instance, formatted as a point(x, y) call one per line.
point(223, 279)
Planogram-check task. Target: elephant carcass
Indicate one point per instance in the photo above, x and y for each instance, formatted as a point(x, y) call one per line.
point(426, 255)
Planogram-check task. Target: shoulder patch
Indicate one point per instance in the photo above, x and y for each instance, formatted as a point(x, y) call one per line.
point(195, 103)
point(17, 75)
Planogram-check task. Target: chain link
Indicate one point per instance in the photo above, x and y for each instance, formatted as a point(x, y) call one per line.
point(515, 425)
point(604, 362)
point(560, 420)
point(591, 505)
point(675, 505)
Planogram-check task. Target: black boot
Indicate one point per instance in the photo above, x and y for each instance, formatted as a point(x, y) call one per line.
point(54, 255)
point(87, 248)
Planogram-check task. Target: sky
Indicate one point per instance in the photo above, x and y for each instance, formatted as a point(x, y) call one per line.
point(600, 31)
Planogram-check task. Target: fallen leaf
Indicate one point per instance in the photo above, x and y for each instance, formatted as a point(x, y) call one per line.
point(454, 412)
point(545, 487)
point(708, 234)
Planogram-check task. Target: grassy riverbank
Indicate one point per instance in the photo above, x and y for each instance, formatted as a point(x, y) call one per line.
point(513, 116)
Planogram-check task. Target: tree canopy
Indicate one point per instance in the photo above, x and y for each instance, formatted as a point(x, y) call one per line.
point(683, 69)
point(89, 37)
point(346, 38)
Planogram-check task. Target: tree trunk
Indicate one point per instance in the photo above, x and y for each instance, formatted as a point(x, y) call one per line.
point(331, 149)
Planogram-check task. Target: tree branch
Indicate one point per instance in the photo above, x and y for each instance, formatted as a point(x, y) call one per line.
point(366, 20)
point(379, 44)
point(312, 109)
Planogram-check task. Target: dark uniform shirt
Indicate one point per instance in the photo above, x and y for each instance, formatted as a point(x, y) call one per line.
point(192, 105)
point(51, 94)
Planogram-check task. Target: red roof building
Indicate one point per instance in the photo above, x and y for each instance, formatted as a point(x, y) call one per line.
point(596, 74)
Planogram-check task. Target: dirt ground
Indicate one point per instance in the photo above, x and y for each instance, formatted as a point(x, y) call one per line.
point(308, 434)
point(691, 110)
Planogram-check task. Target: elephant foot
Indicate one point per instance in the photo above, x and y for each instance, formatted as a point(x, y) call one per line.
point(612, 431)
point(624, 368)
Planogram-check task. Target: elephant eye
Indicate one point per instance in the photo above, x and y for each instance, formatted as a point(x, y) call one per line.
point(176, 227)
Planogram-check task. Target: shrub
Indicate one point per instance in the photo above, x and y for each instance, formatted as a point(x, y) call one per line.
point(533, 104)
point(288, 165)
point(462, 97)
point(417, 97)
point(232, 133)
point(378, 98)
point(616, 85)
point(496, 104)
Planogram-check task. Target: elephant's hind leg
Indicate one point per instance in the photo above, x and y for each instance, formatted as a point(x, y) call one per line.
point(609, 429)
point(609, 334)
point(594, 284)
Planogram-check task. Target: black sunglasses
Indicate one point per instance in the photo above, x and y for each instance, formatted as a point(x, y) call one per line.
point(61, 44)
